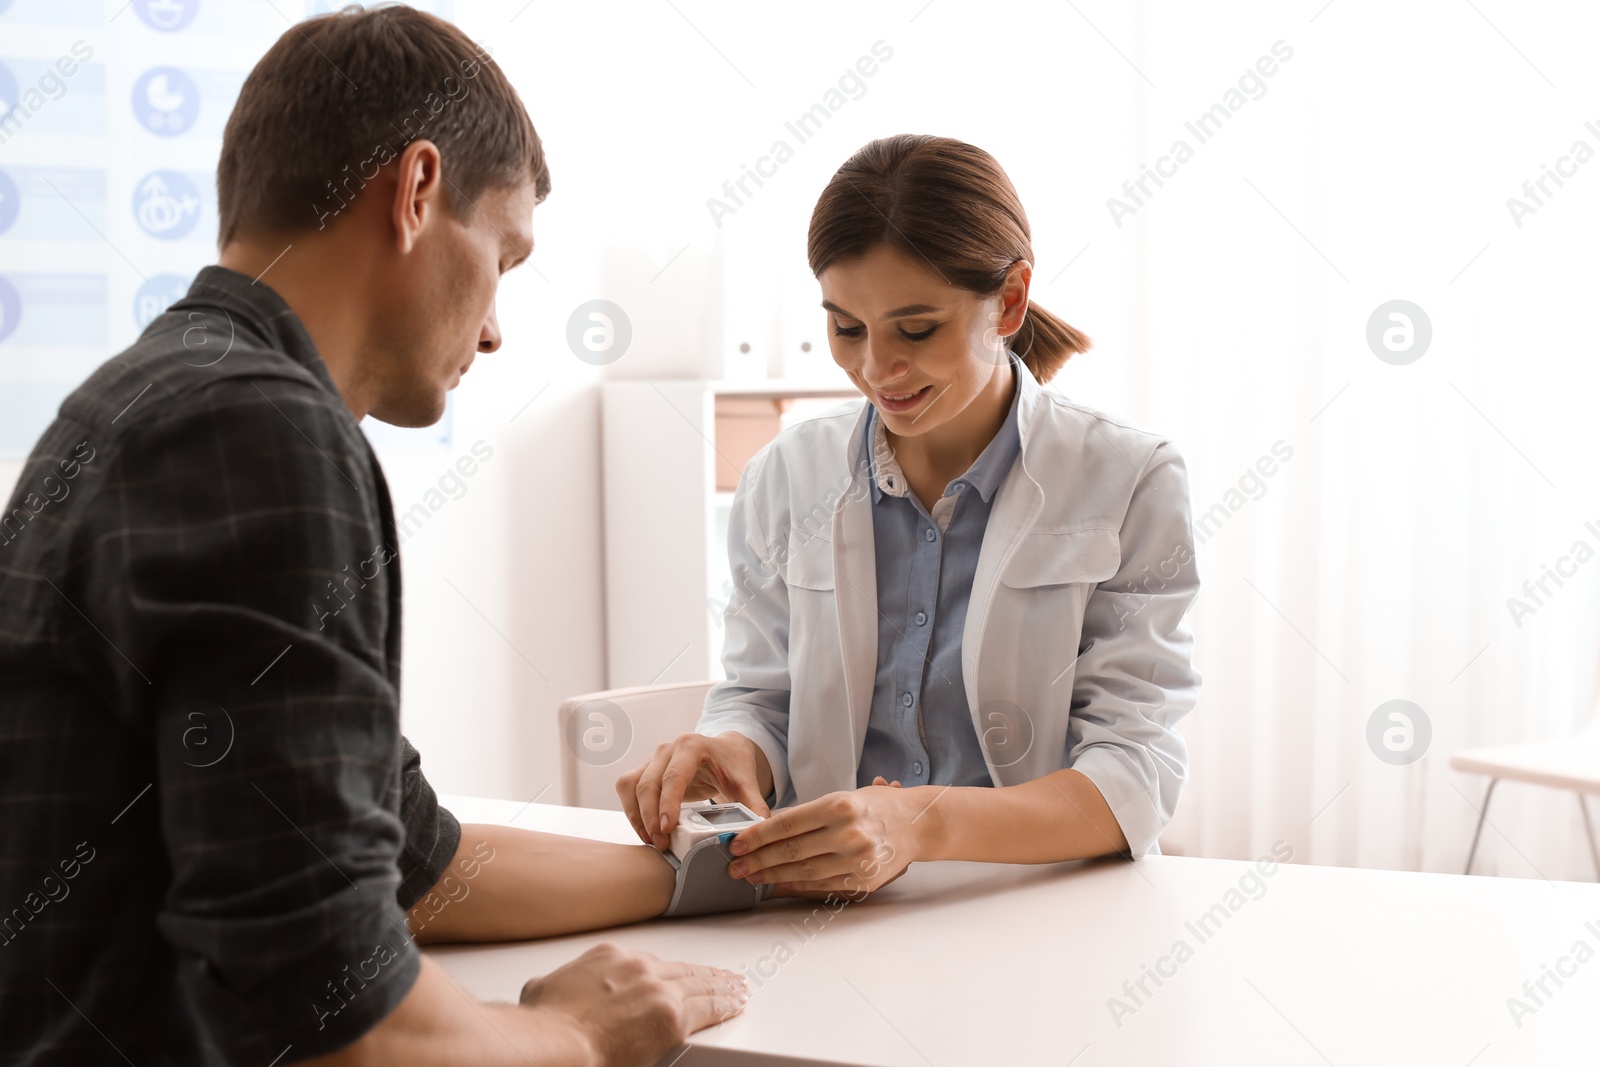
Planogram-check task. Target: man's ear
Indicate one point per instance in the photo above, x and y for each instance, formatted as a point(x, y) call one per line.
point(418, 194)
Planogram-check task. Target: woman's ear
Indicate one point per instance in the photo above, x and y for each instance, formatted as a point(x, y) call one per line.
point(1014, 297)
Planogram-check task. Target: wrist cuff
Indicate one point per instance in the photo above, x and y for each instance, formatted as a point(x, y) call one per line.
point(703, 885)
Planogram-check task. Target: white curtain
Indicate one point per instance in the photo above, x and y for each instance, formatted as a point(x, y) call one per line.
point(1362, 153)
point(1377, 561)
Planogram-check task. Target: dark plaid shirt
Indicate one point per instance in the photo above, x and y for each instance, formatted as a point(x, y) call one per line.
point(210, 825)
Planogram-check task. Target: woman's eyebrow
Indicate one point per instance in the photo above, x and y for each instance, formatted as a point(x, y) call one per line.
point(897, 313)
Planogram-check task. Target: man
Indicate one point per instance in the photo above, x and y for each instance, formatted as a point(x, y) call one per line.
point(213, 828)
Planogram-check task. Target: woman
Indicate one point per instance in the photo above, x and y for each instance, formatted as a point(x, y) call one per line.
point(958, 630)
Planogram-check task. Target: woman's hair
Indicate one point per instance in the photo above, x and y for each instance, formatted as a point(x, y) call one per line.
point(950, 205)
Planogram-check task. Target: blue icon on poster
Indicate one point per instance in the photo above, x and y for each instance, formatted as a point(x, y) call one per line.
point(166, 101)
point(168, 16)
point(10, 309)
point(156, 295)
point(9, 93)
point(10, 201)
point(166, 205)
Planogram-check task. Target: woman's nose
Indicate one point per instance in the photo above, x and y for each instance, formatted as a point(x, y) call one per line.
point(880, 367)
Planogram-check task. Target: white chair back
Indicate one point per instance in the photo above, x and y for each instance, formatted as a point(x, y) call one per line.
point(608, 733)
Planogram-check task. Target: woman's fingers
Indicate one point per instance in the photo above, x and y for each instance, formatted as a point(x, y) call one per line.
point(627, 792)
point(814, 850)
point(824, 868)
point(791, 822)
point(741, 785)
point(846, 886)
point(689, 767)
point(648, 792)
point(689, 754)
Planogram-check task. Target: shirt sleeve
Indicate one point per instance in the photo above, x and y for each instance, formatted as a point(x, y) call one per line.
point(237, 554)
point(1135, 677)
point(754, 699)
point(432, 833)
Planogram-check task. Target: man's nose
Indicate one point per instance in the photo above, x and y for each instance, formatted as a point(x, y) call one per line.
point(489, 336)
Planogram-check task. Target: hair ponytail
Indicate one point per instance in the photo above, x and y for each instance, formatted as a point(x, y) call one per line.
point(951, 205)
point(1045, 342)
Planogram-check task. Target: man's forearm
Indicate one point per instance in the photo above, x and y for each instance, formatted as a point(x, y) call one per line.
point(439, 1023)
point(1061, 816)
point(507, 884)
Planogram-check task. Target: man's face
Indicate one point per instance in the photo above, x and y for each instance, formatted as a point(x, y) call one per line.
point(439, 310)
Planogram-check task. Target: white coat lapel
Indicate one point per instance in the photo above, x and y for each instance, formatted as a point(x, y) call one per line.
point(1017, 505)
point(855, 594)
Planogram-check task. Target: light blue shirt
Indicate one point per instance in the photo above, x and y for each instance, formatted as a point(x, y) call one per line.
point(919, 731)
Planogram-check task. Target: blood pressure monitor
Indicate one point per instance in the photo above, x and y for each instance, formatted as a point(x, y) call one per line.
point(703, 819)
point(699, 853)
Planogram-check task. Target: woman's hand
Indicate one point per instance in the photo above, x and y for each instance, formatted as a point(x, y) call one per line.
point(849, 842)
point(693, 767)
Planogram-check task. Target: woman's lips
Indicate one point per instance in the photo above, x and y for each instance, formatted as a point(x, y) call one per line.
point(901, 401)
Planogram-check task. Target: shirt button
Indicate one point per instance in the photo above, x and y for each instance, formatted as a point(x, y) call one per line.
point(929, 534)
point(906, 699)
point(922, 618)
point(917, 768)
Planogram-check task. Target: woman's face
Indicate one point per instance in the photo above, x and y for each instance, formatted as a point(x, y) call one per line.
point(916, 346)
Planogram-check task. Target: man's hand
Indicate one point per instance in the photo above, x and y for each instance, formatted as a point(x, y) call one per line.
point(607, 1008)
point(693, 767)
point(631, 1009)
point(849, 842)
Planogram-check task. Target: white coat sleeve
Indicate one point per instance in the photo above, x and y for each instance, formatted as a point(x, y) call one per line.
point(754, 700)
point(1135, 677)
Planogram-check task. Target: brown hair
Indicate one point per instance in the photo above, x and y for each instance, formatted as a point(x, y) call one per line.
point(949, 204)
point(341, 95)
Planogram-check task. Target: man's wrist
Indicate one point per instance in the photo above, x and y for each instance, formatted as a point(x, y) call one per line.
point(559, 1038)
point(657, 878)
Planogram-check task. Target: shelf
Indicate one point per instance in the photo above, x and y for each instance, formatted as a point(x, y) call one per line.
point(789, 389)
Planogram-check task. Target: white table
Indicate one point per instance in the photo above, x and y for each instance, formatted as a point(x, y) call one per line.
point(961, 964)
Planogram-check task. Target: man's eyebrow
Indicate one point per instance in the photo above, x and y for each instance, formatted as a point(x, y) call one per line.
point(897, 313)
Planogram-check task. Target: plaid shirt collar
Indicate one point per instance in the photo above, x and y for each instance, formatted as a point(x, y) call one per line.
point(259, 308)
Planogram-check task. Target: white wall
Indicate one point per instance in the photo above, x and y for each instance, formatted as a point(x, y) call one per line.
point(645, 115)
point(646, 110)
point(1413, 508)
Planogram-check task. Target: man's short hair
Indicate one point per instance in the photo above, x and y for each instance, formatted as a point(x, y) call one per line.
point(340, 95)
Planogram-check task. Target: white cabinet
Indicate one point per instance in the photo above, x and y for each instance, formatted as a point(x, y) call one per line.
point(666, 524)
